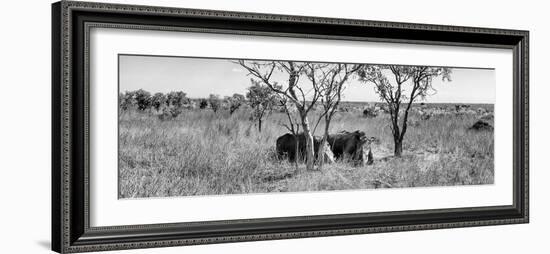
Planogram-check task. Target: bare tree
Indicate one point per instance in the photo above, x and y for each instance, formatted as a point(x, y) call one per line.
point(261, 99)
point(304, 100)
point(329, 79)
point(410, 83)
point(292, 126)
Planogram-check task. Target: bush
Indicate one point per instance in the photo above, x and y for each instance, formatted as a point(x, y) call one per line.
point(215, 102)
point(143, 99)
point(158, 100)
point(176, 99)
point(169, 114)
point(203, 104)
point(370, 112)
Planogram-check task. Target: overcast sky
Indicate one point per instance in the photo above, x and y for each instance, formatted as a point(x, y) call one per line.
point(200, 77)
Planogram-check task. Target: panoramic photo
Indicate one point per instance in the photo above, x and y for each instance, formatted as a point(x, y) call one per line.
point(210, 126)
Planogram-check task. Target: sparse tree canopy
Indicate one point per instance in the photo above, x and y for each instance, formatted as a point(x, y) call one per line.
point(329, 80)
point(303, 98)
point(409, 84)
point(261, 99)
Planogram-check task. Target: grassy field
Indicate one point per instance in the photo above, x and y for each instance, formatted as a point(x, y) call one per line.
point(205, 153)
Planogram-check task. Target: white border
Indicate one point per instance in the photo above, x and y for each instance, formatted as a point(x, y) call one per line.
point(107, 210)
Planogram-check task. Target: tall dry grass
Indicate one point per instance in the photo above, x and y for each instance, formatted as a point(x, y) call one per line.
point(205, 153)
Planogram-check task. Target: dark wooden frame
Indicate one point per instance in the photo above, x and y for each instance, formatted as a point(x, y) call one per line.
point(71, 22)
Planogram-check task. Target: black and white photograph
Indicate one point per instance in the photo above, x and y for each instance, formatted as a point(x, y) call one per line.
point(190, 126)
point(272, 127)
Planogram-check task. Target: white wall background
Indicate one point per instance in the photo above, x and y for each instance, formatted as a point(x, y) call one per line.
point(25, 129)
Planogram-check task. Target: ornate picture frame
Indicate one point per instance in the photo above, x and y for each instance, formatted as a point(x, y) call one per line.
point(71, 24)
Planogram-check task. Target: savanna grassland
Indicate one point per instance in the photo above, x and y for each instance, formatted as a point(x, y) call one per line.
point(205, 153)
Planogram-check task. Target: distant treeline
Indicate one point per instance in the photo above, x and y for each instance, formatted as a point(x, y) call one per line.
point(143, 100)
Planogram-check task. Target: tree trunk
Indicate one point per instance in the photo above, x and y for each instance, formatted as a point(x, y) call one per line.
point(296, 150)
point(310, 154)
point(399, 135)
point(321, 153)
point(404, 126)
point(397, 140)
point(398, 147)
point(321, 150)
